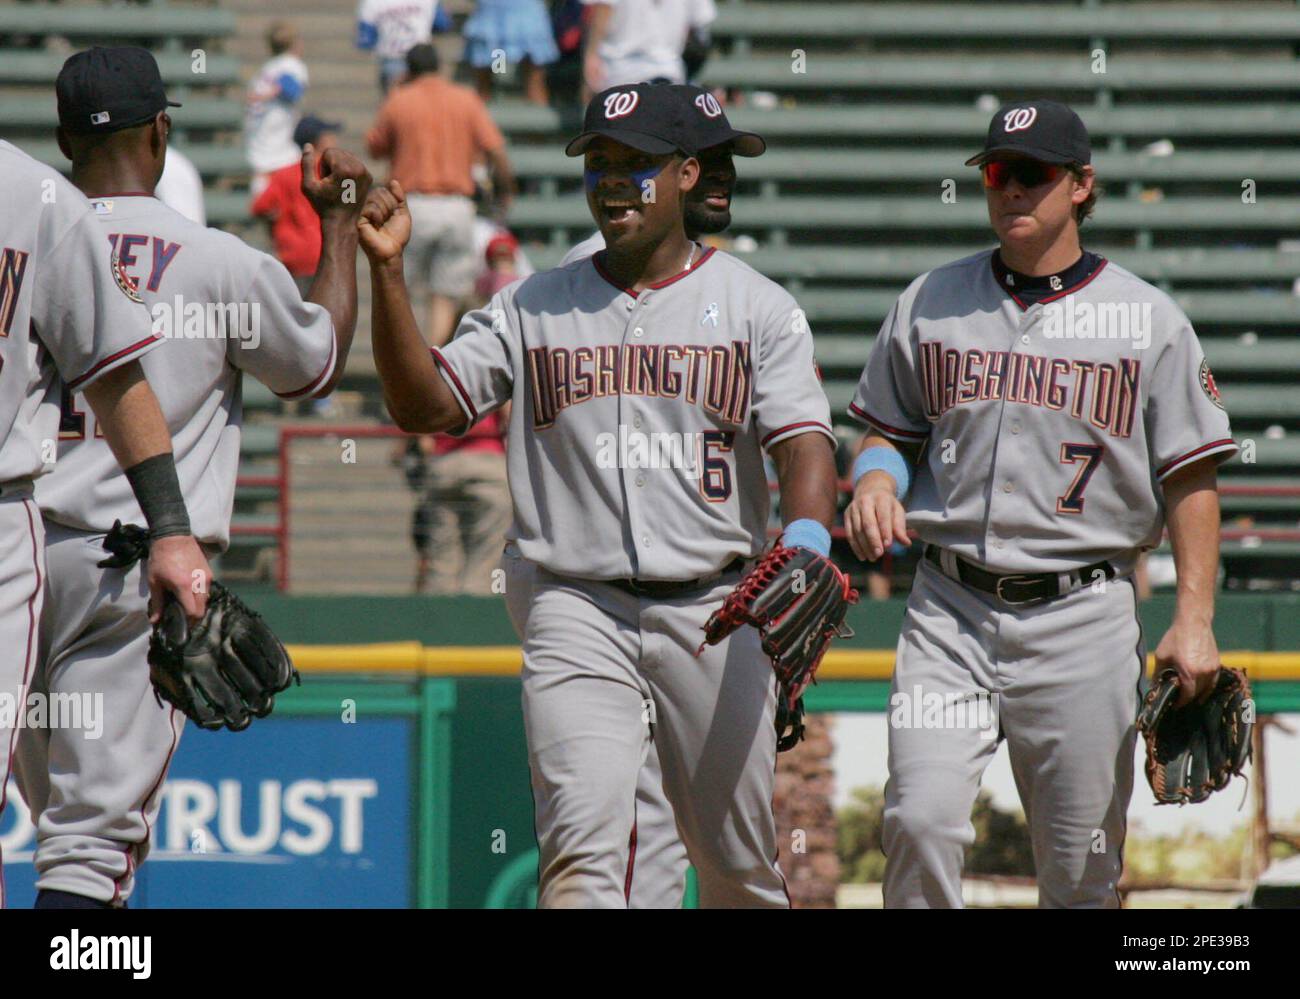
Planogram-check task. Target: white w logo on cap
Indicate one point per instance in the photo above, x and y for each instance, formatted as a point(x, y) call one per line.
point(709, 105)
point(621, 104)
point(1019, 119)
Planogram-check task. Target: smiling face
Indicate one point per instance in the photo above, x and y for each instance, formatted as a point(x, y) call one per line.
point(708, 206)
point(1034, 216)
point(636, 197)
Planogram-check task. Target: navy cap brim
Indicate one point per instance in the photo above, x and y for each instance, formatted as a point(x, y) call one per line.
point(637, 140)
point(1033, 152)
point(744, 143)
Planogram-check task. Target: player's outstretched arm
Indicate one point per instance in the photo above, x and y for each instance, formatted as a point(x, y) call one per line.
point(805, 470)
point(417, 397)
point(127, 410)
point(875, 517)
point(336, 183)
point(1192, 513)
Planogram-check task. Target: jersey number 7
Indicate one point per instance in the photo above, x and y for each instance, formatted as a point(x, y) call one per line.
point(1090, 455)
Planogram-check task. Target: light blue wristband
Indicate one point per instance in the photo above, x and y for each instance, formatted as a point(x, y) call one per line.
point(884, 459)
point(807, 533)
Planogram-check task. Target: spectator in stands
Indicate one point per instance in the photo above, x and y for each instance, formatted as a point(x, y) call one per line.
point(463, 506)
point(274, 95)
point(295, 226)
point(433, 132)
point(501, 266)
point(391, 28)
point(628, 42)
point(180, 187)
point(485, 232)
point(503, 33)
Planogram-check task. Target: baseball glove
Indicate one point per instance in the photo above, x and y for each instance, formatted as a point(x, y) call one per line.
point(1196, 750)
point(797, 600)
point(226, 670)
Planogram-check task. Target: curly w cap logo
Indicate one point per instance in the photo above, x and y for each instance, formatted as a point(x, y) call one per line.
point(708, 105)
point(1019, 119)
point(621, 104)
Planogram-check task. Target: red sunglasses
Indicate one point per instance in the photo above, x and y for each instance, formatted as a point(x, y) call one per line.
point(1027, 173)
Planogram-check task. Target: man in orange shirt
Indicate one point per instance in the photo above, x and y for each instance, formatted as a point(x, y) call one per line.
point(434, 132)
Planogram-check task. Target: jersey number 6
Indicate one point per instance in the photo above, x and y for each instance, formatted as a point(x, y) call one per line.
point(1090, 455)
point(715, 471)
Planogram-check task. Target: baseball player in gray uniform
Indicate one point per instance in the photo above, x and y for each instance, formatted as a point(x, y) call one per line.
point(1037, 414)
point(219, 308)
point(661, 858)
point(652, 345)
point(68, 316)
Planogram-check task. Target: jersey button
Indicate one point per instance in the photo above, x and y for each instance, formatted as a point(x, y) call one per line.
point(640, 480)
point(1024, 338)
point(631, 304)
point(636, 422)
point(999, 544)
point(1008, 487)
point(638, 332)
point(1015, 426)
point(645, 540)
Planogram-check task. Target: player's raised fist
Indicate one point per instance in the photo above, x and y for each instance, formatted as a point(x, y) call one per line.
point(385, 223)
point(335, 181)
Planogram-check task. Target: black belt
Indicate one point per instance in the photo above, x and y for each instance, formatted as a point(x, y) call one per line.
point(1021, 587)
point(658, 589)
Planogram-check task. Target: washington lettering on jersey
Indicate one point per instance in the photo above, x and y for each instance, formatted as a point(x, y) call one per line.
point(717, 378)
point(1103, 394)
point(13, 265)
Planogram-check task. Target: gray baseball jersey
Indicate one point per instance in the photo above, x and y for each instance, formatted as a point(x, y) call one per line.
point(639, 420)
point(64, 309)
point(1049, 422)
point(223, 308)
point(590, 246)
point(1049, 427)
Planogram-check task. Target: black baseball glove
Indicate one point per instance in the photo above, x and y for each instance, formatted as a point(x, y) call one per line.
point(226, 670)
point(797, 599)
point(1196, 750)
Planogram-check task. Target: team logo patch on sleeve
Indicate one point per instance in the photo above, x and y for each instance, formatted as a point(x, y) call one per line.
point(128, 284)
point(1208, 384)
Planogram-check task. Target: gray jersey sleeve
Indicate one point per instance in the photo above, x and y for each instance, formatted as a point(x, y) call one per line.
point(888, 396)
point(289, 345)
point(85, 310)
point(478, 364)
point(788, 396)
point(1185, 417)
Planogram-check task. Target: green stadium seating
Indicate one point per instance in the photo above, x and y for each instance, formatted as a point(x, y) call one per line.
point(854, 213)
point(120, 26)
point(1011, 75)
point(1266, 118)
point(866, 165)
point(20, 67)
point(830, 22)
point(37, 114)
point(210, 160)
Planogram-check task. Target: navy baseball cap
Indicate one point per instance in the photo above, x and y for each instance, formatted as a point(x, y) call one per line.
point(650, 117)
point(1041, 130)
point(310, 128)
point(710, 124)
point(104, 90)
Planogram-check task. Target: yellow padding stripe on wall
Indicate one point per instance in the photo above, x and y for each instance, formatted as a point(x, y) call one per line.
point(503, 660)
